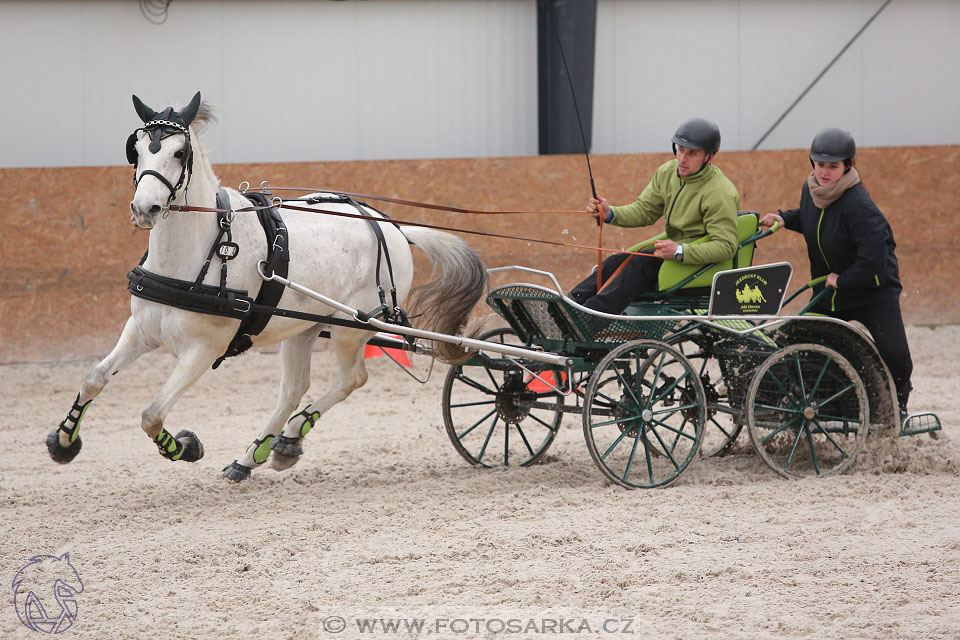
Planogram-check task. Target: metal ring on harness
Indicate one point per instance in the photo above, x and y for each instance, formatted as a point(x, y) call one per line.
point(243, 189)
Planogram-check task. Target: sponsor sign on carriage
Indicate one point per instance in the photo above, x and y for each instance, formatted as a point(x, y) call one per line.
point(751, 290)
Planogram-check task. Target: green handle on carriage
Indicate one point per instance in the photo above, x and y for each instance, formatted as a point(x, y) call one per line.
point(813, 300)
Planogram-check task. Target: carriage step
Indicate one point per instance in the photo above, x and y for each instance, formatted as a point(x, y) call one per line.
point(917, 423)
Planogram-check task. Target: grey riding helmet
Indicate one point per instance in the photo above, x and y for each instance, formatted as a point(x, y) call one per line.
point(833, 145)
point(697, 133)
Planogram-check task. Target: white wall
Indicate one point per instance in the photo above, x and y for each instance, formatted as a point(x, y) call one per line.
point(743, 62)
point(291, 81)
point(297, 80)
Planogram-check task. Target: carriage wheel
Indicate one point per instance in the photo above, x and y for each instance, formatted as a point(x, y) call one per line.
point(487, 412)
point(722, 427)
point(807, 411)
point(643, 414)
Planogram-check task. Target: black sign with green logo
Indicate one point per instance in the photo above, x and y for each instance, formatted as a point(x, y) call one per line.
point(750, 291)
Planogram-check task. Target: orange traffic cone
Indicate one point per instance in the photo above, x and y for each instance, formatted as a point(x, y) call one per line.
point(399, 355)
point(539, 385)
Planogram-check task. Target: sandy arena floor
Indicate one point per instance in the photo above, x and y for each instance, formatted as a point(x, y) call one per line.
point(382, 513)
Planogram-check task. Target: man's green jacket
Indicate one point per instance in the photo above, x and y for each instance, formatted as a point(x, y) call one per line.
point(693, 206)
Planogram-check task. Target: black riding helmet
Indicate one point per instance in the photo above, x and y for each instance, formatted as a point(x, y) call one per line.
point(833, 145)
point(697, 133)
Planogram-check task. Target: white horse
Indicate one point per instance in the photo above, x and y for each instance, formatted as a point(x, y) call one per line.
point(336, 256)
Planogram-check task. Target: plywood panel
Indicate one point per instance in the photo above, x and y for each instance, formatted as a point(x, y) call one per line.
point(66, 243)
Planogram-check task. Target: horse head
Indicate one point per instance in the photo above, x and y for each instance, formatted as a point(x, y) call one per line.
point(161, 153)
point(45, 591)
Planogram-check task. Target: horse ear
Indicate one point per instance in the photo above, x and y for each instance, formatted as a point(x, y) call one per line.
point(146, 113)
point(190, 111)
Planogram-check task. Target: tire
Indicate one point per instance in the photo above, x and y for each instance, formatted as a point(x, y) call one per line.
point(643, 415)
point(486, 411)
point(807, 411)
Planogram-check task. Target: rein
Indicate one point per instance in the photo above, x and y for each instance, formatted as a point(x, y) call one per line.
point(285, 204)
point(487, 234)
point(411, 203)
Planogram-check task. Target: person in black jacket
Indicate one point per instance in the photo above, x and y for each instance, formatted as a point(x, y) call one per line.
point(850, 241)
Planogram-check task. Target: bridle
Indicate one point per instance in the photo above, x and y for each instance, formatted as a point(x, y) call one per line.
point(158, 130)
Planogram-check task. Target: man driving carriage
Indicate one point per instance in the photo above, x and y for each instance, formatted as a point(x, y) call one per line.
point(694, 198)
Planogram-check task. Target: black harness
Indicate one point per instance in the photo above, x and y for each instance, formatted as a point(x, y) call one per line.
point(254, 314)
point(221, 300)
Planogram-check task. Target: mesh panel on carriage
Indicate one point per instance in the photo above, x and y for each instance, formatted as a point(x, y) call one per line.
point(540, 316)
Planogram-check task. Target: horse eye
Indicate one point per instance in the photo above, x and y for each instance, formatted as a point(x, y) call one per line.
point(178, 154)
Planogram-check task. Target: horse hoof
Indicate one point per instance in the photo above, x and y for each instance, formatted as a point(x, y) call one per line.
point(192, 447)
point(285, 446)
point(58, 452)
point(281, 462)
point(236, 472)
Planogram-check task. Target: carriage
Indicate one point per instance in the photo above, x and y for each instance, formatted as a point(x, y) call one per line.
point(677, 378)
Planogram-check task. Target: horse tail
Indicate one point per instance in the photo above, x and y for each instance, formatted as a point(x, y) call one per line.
point(443, 305)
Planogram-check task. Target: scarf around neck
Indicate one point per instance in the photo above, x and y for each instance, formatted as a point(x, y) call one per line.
point(823, 197)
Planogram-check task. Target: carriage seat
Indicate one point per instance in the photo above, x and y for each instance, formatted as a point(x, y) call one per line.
point(677, 276)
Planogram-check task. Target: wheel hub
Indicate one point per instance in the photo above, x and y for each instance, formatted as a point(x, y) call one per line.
point(809, 412)
point(512, 400)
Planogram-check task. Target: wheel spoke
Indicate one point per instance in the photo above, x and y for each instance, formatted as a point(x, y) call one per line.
point(633, 451)
point(479, 403)
point(681, 432)
point(535, 418)
point(793, 447)
point(476, 424)
point(813, 452)
point(523, 437)
point(830, 438)
point(843, 391)
point(663, 392)
point(614, 401)
point(823, 372)
point(803, 391)
point(479, 386)
point(607, 423)
point(666, 449)
point(486, 440)
point(719, 426)
point(625, 385)
point(615, 443)
point(785, 425)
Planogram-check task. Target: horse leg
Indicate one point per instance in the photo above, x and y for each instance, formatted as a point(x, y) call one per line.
point(294, 381)
point(64, 443)
point(185, 445)
point(348, 347)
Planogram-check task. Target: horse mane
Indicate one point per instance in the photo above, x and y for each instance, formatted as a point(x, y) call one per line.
point(206, 116)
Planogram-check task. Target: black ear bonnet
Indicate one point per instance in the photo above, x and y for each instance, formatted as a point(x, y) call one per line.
point(159, 125)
